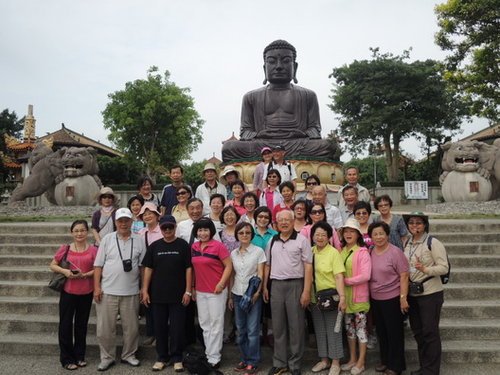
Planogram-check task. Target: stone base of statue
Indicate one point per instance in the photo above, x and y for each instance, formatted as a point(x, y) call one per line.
point(466, 187)
point(76, 191)
point(330, 173)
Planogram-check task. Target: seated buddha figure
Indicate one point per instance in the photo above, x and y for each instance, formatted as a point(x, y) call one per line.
point(280, 113)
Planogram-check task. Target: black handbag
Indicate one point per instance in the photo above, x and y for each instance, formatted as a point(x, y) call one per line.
point(328, 299)
point(58, 280)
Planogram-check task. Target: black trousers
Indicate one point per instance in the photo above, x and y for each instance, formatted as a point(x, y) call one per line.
point(74, 311)
point(390, 333)
point(425, 312)
point(169, 329)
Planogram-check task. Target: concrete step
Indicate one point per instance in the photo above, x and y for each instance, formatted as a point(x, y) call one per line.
point(26, 289)
point(466, 291)
point(476, 261)
point(462, 351)
point(475, 275)
point(13, 249)
point(465, 328)
point(25, 273)
point(438, 226)
point(470, 309)
point(450, 237)
point(472, 248)
point(15, 261)
point(36, 228)
point(30, 238)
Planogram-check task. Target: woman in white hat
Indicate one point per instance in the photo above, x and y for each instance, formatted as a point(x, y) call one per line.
point(103, 220)
point(357, 263)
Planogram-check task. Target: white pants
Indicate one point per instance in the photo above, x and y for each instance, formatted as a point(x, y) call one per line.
point(211, 309)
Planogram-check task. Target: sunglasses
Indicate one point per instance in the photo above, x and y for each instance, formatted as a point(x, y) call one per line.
point(312, 184)
point(263, 217)
point(106, 196)
point(167, 227)
point(361, 213)
point(244, 233)
point(181, 193)
point(317, 212)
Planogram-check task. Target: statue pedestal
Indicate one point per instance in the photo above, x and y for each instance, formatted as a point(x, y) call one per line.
point(76, 191)
point(330, 173)
point(466, 187)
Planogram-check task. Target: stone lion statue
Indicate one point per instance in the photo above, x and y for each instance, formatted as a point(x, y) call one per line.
point(49, 168)
point(465, 159)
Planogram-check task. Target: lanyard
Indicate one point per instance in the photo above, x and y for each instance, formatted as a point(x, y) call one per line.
point(131, 247)
point(348, 255)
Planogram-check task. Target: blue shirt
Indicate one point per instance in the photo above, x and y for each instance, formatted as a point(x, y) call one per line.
point(262, 240)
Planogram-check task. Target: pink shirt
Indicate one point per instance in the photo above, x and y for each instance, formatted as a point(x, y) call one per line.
point(239, 208)
point(386, 273)
point(153, 235)
point(207, 264)
point(83, 261)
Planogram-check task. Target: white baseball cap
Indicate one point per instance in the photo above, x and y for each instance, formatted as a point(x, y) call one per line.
point(123, 212)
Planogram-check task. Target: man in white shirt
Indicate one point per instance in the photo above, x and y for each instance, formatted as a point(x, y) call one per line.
point(209, 187)
point(333, 215)
point(116, 290)
point(286, 169)
point(352, 175)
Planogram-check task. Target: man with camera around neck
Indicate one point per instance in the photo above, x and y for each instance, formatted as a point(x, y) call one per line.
point(116, 290)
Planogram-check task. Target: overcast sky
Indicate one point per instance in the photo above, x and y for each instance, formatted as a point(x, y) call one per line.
point(65, 57)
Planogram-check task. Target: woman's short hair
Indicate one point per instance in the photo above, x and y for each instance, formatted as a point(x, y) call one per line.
point(384, 197)
point(360, 205)
point(237, 182)
point(276, 172)
point(379, 224)
point(323, 225)
point(135, 198)
point(78, 222)
point(217, 195)
point(262, 209)
point(315, 178)
point(242, 225)
point(142, 180)
point(252, 195)
point(185, 187)
point(227, 209)
point(203, 223)
point(287, 184)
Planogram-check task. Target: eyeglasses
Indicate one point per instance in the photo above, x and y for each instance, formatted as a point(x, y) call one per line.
point(411, 222)
point(361, 213)
point(262, 216)
point(299, 208)
point(272, 176)
point(312, 183)
point(106, 196)
point(181, 193)
point(244, 233)
point(317, 212)
point(383, 205)
point(80, 231)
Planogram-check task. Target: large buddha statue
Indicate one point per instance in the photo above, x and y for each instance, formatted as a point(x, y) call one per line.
point(280, 113)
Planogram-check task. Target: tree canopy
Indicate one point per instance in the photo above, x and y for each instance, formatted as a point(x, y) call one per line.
point(470, 31)
point(153, 121)
point(387, 99)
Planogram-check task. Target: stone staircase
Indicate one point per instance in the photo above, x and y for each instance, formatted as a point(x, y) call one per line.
point(470, 323)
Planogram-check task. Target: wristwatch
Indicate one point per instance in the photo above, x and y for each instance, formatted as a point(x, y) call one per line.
point(189, 294)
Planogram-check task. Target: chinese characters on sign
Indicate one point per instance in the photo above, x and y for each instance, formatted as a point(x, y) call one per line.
point(416, 190)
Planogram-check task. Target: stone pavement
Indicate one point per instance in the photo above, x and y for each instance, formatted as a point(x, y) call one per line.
point(41, 365)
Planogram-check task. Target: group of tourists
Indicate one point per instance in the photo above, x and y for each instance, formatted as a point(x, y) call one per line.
point(253, 264)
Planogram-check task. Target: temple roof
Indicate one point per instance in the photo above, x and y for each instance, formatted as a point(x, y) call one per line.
point(67, 137)
point(22, 146)
point(489, 133)
point(232, 138)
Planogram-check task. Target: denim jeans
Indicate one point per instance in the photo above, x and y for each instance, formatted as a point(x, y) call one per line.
point(248, 325)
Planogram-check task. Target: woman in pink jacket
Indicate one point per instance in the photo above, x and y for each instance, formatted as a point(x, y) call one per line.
point(357, 263)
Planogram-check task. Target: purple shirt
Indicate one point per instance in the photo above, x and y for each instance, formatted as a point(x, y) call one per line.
point(386, 273)
point(287, 258)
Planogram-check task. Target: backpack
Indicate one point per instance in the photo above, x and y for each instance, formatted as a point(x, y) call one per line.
point(446, 277)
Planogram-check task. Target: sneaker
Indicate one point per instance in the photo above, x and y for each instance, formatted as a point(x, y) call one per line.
point(240, 366)
point(105, 365)
point(178, 367)
point(320, 366)
point(132, 361)
point(158, 366)
point(250, 369)
point(277, 370)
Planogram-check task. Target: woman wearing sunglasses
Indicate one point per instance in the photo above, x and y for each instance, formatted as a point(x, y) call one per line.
point(179, 211)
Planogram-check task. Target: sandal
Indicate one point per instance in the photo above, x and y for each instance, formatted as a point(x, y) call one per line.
point(70, 366)
point(81, 363)
point(158, 366)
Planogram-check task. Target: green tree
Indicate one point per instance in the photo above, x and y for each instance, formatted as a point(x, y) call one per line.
point(115, 170)
point(193, 173)
point(367, 168)
point(9, 125)
point(387, 99)
point(470, 31)
point(153, 121)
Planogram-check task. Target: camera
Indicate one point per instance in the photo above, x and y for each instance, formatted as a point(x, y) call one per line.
point(127, 265)
point(416, 288)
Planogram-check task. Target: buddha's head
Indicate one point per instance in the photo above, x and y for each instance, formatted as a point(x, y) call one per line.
point(279, 62)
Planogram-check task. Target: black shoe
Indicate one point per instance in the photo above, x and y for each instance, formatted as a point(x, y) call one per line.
point(277, 370)
point(296, 372)
point(417, 372)
point(215, 366)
